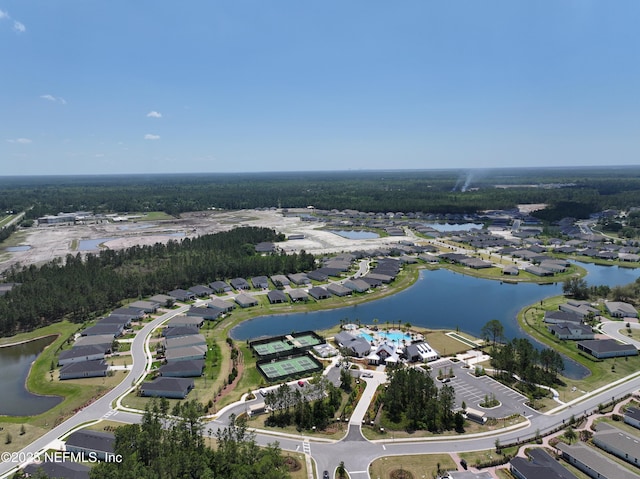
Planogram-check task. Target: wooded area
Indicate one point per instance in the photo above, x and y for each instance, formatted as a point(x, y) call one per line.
point(568, 191)
point(81, 288)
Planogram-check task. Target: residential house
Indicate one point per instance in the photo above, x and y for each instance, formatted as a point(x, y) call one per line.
point(299, 278)
point(298, 295)
point(174, 388)
point(113, 329)
point(98, 443)
point(163, 300)
point(277, 296)
point(104, 341)
point(539, 465)
point(246, 301)
point(632, 417)
point(225, 306)
point(356, 345)
point(338, 290)
point(80, 354)
point(617, 442)
point(260, 282)
point(220, 287)
point(607, 348)
point(182, 295)
point(265, 247)
point(182, 369)
point(559, 317)
point(357, 285)
point(319, 292)
point(188, 321)
point(176, 332)
point(134, 313)
point(201, 290)
point(84, 369)
point(580, 308)
point(148, 307)
point(66, 469)
point(183, 341)
point(280, 280)
point(210, 313)
point(571, 331)
point(593, 463)
point(240, 284)
point(185, 354)
point(124, 320)
point(619, 309)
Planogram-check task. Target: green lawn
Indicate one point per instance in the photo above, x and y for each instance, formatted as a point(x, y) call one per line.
point(424, 465)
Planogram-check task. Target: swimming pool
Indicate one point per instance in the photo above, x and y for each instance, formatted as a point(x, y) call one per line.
point(390, 336)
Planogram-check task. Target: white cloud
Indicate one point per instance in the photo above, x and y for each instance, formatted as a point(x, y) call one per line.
point(154, 114)
point(149, 136)
point(55, 99)
point(22, 141)
point(17, 26)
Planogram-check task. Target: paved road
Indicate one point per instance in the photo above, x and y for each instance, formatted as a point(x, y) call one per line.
point(102, 407)
point(356, 452)
point(612, 328)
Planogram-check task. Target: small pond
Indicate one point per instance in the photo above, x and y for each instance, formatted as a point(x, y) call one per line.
point(16, 249)
point(444, 227)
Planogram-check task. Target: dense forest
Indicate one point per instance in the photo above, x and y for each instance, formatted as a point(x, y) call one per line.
point(82, 287)
point(568, 191)
point(519, 357)
point(153, 450)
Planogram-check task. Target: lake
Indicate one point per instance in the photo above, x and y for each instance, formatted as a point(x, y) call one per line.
point(16, 249)
point(15, 362)
point(440, 299)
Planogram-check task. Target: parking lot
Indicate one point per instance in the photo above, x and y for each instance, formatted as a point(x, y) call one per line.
point(473, 390)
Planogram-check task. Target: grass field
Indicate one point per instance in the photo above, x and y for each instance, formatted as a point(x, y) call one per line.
point(424, 465)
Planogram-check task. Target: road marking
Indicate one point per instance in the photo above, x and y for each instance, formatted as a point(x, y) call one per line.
point(384, 447)
point(297, 447)
point(306, 447)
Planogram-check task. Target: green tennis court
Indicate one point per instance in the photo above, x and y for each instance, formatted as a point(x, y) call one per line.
point(274, 347)
point(296, 366)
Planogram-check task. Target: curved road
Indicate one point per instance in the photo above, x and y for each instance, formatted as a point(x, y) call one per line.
point(356, 451)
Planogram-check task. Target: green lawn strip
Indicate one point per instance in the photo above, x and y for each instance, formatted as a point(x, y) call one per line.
point(474, 458)
point(6, 219)
point(602, 372)
point(154, 216)
point(422, 465)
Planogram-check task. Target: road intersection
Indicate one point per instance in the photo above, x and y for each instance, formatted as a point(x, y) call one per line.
point(353, 449)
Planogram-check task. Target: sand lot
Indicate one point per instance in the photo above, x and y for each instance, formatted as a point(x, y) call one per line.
point(57, 241)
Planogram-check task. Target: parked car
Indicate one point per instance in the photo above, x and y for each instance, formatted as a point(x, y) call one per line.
point(300, 383)
point(367, 375)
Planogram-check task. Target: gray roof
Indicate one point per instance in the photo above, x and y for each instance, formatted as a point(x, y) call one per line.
point(562, 316)
point(81, 351)
point(617, 438)
point(145, 305)
point(100, 329)
point(183, 366)
point(96, 366)
point(540, 465)
point(277, 296)
point(338, 289)
point(221, 303)
point(94, 340)
point(66, 469)
point(182, 341)
point(319, 292)
point(219, 286)
point(606, 345)
point(177, 331)
point(633, 413)
point(344, 338)
point(168, 384)
point(201, 290)
point(246, 300)
point(298, 294)
point(133, 312)
point(92, 440)
point(185, 321)
point(187, 352)
point(596, 461)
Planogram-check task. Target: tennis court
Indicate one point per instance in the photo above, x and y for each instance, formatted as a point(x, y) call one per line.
point(273, 347)
point(306, 341)
point(295, 366)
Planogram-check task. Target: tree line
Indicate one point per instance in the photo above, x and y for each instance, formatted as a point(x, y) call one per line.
point(81, 287)
point(413, 400)
point(569, 192)
point(315, 408)
point(174, 447)
point(519, 357)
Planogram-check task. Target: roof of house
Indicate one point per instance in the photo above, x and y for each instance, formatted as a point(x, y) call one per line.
point(260, 281)
point(96, 366)
point(100, 329)
point(182, 341)
point(200, 290)
point(540, 465)
point(221, 303)
point(106, 339)
point(177, 331)
point(206, 313)
point(180, 293)
point(562, 316)
point(617, 438)
point(219, 285)
point(185, 321)
point(319, 292)
point(297, 294)
point(338, 289)
point(168, 384)
point(276, 296)
point(182, 366)
point(81, 351)
point(360, 346)
point(633, 413)
point(161, 298)
point(596, 461)
point(606, 345)
point(66, 469)
point(619, 307)
point(122, 319)
point(93, 440)
point(567, 329)
point(245, 299)
point(344, 338)
point(238, 283)
point(133, 312)
point(144, 305)
point(195, 351)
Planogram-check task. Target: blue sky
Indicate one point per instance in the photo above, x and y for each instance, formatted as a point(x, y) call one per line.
point(123, 86)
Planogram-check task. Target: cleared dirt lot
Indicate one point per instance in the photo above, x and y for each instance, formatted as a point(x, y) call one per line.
point(49, 242)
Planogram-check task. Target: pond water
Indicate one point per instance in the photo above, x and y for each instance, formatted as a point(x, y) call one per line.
point(15, 249)
point(355, 234)
point(92, 244)
point(454, 226)
point(440, 299)
point(15, 362)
